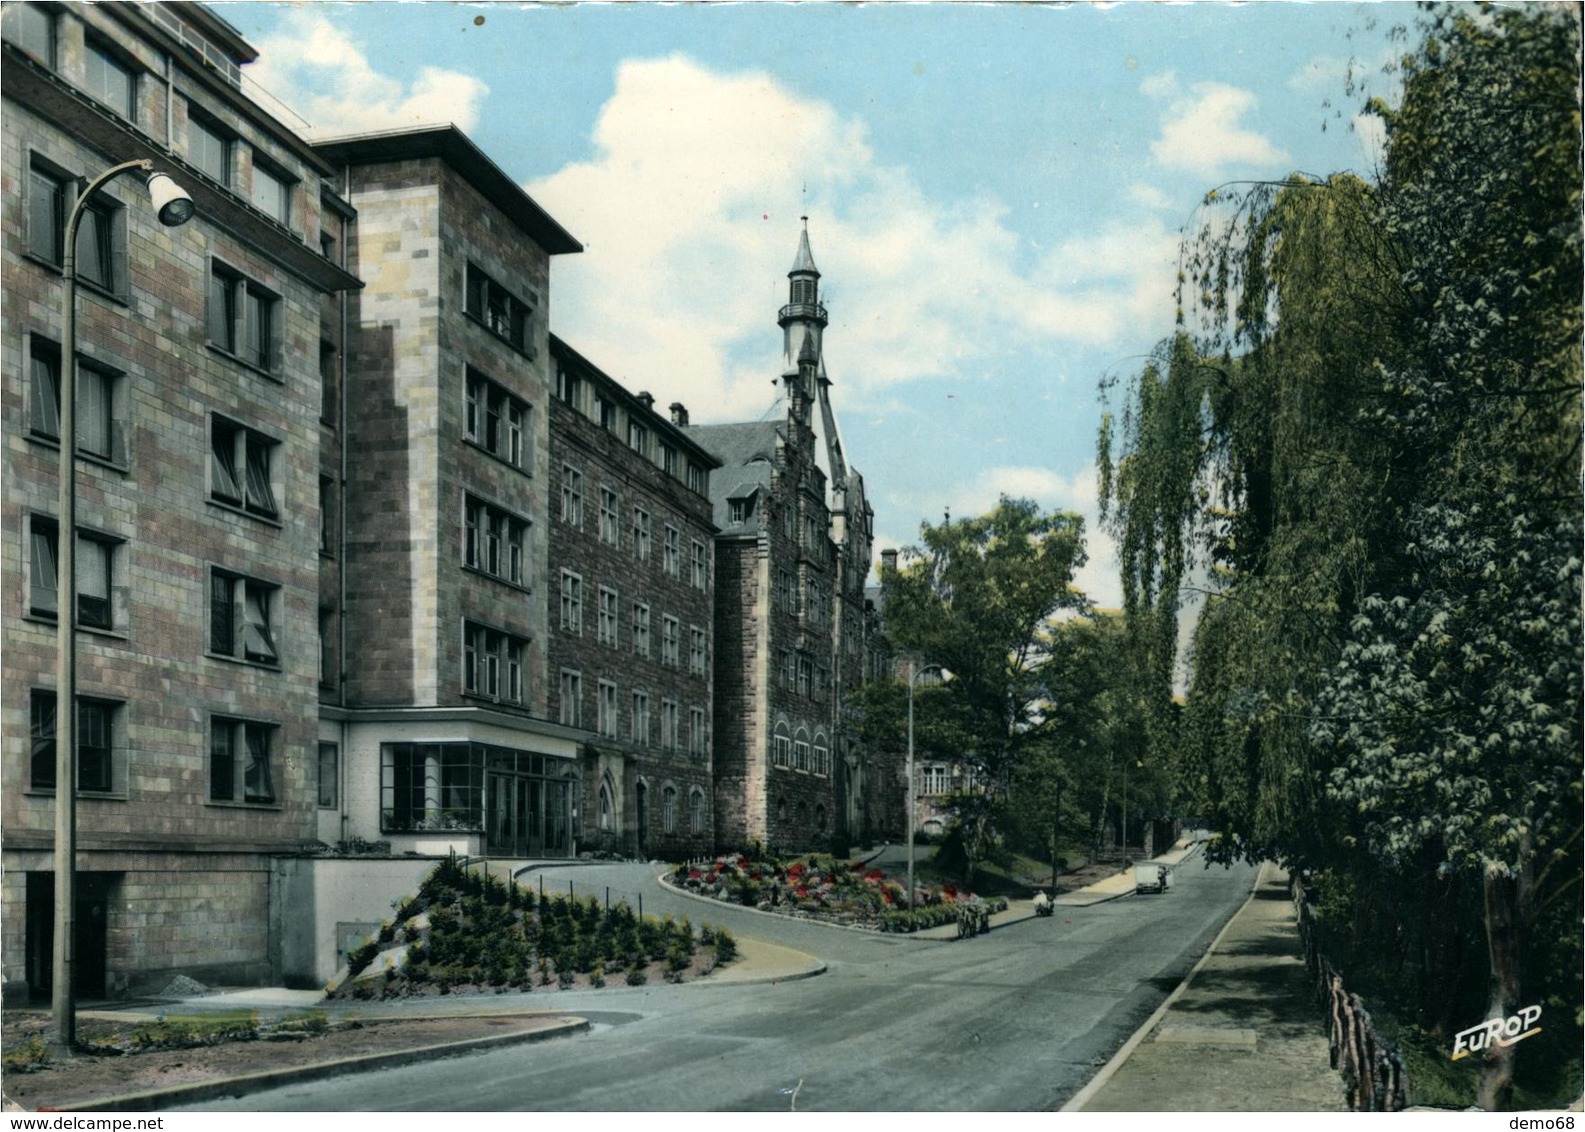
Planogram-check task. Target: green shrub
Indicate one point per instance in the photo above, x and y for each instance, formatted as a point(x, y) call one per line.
point(725, 946)
point(636, 978)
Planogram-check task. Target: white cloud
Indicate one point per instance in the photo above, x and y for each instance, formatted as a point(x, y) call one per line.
point(689, 206)
point(1201, 131)
point(319, 73)
point(1052, 490)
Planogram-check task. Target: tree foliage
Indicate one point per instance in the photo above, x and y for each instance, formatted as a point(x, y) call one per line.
point(1364, 442)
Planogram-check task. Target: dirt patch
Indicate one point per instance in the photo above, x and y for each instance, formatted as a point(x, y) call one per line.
point(88, 1077)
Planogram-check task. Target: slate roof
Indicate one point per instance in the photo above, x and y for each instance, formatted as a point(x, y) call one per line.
point(747, 452)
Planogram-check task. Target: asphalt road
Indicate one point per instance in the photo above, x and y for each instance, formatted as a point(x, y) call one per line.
point(1018, 1019)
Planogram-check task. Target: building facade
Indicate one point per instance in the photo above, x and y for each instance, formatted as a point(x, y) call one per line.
point(437, 718)
point(197, 461)
point(631, 648)
point(791, 560)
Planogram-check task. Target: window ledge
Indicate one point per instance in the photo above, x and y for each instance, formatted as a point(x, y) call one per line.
point(261, 664)
point(120, 295)
point(82, 795)
point(215, 348)
point(527, 352)
point(268, 807)
point(479, 572)
point(111, 634)
point(470, 442)
point(232, 508)
point(53, 443)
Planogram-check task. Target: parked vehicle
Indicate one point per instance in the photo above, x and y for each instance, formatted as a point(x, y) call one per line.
point(1151, 877)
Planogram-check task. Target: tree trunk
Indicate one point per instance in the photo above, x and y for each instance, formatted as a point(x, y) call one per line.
point(1502, 939)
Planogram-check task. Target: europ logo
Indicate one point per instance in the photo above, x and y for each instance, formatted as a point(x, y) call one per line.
point(1502, 1032)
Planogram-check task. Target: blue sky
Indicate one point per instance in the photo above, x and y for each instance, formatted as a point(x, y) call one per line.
point(995, 192)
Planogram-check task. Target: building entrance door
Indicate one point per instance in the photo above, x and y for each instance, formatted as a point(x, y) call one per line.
point(91, 927)
point(517, 815)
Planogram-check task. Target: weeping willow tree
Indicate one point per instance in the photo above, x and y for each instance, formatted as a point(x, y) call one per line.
point(1363, 446)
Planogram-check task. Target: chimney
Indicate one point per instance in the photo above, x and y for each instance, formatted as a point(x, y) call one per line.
point(679, 414)
point(888, 560)
point(647, 400)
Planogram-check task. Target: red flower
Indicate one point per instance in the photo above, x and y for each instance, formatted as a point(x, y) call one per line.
point(694, 874)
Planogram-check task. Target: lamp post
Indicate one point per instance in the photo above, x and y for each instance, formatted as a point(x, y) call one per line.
point(173, 207)
point(913, 679)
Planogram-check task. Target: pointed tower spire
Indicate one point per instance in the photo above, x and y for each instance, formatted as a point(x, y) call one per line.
point(804, 317)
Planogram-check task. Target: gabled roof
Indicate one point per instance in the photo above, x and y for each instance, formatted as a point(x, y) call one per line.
point(747, 452)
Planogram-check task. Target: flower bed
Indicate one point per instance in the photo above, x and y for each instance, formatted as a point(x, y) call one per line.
point(828, 888)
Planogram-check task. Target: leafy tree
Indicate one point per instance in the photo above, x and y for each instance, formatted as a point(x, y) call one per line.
point(1370, 450)
point(979, 597)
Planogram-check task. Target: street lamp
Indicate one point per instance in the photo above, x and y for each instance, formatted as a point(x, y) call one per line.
point(173, 207)
point(913, 679)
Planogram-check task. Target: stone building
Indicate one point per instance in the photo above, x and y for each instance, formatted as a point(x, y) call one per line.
point(631, 546)
point(438, 724)
point(790, 616)
point(198, 514)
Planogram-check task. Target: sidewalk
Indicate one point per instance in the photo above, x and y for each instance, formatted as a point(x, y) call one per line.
point(1242, 1034)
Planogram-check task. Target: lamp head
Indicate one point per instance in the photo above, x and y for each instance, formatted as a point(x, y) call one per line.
point(171, 203)
point(947, 676)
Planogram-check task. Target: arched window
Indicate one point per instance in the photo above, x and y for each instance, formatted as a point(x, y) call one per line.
point(820, 819)
point(801, 750)
point(803, 815)
point(822, 755)
point(668, 808)
point(696, 810)
point(607, 803)
point(781, 811)
point(781, 745)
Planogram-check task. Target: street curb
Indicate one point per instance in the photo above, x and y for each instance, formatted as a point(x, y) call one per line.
point(1077, 1102)
point(153, 1099)
point(819, 968)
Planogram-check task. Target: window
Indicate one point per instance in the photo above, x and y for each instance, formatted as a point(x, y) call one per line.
point(95, 742)
point(805, 670)
point(605, 412)
point(637, 437)
point(497, 309)
point(99, 240)
point(696, 733)
point(94, 568)
point(801, 752)
point(498, 421)
point(569, 390)
point(109, 80)
point(696, 810)
point(696, 658)
point(608, 518)
point(328, 384)
point(494, 541)
point(607, 805)
point(785, 669)
point(239, 761)
point(700, 572)
point(242, 318)
point(208, 146)
point(327, 516)
point(571, 602)
point(641, 718)
point(572, 495)
point(100, 412)
point(782, 594)
point(669, 739)
point(933, 780)
point(699, 480)
point(272, 192)
point(329, 775)
point(641, 534)
point(606, 709)
point(811, 532)
point(822, 681)
point(32, 28)
point(822, 756)
point(242, 467)
point(670, 631)
point(432, 786)
point(48, 203)
point(240, 617)
point(492, 663)
point(673, 559)
point(781, 746)
point(739, 510)
point(607, 616)
point(668, 460)
point(571, 698)
point(668, 808)
point(328, 670)
point(641, 629)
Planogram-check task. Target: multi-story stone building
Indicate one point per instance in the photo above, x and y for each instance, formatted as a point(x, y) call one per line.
point(198, 513)
point(791, 560)
point(630, 651)
point(438, 721)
